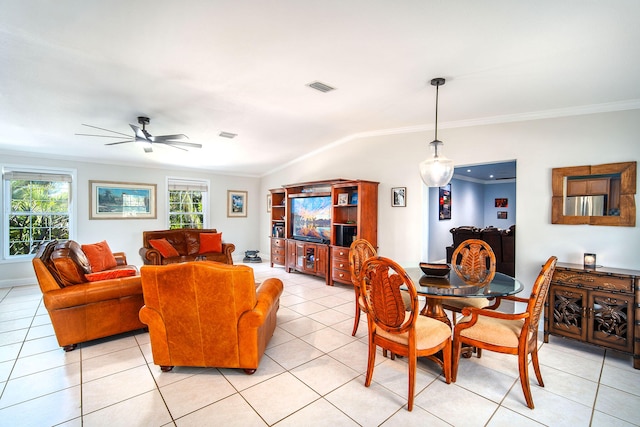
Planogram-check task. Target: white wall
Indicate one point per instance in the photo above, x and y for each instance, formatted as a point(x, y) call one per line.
point(537, 146)
point(126, 235)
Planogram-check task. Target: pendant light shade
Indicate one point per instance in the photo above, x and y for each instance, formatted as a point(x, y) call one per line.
point(436, 170)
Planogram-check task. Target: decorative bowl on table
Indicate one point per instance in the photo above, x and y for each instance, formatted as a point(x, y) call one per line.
point(435, 270)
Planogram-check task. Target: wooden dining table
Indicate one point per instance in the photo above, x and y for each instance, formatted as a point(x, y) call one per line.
point(437, 289)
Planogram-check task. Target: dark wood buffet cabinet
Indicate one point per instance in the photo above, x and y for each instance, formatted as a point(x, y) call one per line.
point(353, 214)
point(597, 306)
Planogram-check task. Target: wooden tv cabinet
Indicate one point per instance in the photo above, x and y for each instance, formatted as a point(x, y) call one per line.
point(599, 307)
point(354, 215)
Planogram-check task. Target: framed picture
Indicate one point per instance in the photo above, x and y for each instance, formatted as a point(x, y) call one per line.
point(236, 203)
point(121, 200)
point(343, 199)
point(502, 203)
point(502, 214)
point(269, 202)
point(444, 202)
point(399, 197)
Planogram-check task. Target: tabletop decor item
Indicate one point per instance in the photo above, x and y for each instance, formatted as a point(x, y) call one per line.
point(435, 270)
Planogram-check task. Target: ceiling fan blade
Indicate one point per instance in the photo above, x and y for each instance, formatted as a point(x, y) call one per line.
point(106, 130)
point(168, 137)
point(100, 136)
point(173, 146)
point(139, 133)
point(121, 142)
point(180, 143)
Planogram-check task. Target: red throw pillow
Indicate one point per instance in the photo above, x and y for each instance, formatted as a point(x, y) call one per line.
point(210, 242)
point(110, 274)
point(100, 256)
point(164, 247)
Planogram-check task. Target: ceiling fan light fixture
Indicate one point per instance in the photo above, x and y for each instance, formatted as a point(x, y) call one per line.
point(437, 170)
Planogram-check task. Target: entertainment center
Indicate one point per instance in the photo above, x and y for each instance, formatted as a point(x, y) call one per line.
point(314, 223)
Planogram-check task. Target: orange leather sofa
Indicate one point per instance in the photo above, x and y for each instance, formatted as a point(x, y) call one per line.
point(81, 310)
point(186, 242)
point(208, 314)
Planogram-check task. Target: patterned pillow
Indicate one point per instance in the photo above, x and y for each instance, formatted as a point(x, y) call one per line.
point(164, 247)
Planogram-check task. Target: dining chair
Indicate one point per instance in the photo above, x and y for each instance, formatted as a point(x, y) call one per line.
point(475, 261)
point(359, 252)
point(508, 333)
point(391, 327)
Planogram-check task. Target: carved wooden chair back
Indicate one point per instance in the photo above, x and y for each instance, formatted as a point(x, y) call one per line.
point(359, 252)
point(393, 328)
point(474, 261)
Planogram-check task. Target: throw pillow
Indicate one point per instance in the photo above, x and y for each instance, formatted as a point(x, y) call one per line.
point(210, 242)
point(110, 274)
point(164, 247)
point(100, 256)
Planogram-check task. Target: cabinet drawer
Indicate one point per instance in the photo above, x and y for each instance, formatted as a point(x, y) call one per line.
point(338, 252)
point(277, 259)
point(341, 275)
point(280, 243)
point(277, 251)
point(593, 280)
point(340, 264)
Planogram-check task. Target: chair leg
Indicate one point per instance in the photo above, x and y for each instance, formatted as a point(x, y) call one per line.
point(371, 362)
point(413, 359)
point(536, 366)
point(524, 377)
point(446, 361)
point(457, 347)
point(356, 321)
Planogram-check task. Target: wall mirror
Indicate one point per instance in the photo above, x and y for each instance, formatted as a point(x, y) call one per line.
point(595, 195)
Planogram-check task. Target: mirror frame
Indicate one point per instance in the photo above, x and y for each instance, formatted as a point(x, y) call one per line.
point(627, 171)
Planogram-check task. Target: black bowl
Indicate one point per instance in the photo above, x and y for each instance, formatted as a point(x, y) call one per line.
point(436, 270)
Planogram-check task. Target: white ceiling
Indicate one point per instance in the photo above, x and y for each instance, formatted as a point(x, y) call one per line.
point(202, 67)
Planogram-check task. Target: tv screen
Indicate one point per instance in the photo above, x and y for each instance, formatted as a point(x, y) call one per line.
point(311, 218)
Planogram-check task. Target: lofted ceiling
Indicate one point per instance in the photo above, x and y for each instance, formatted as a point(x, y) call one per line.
point(206, 67)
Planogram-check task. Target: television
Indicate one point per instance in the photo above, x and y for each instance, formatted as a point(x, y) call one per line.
point(311, 218)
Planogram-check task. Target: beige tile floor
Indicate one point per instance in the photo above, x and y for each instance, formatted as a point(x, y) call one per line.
point(312, 374)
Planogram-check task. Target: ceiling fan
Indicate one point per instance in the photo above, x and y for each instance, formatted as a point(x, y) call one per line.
point(145, 138)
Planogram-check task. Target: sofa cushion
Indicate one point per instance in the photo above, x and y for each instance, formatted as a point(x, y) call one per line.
point(210, 242)
point(111, 274)
point(164, 247)
point(100, 256)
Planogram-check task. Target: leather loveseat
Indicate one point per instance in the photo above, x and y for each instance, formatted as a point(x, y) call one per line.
point(83, 310)
point(502, 242)
point(165, 247)
point(208, 314)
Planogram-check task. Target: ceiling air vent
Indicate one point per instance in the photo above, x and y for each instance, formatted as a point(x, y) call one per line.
point(228, 135)
point(321, 87)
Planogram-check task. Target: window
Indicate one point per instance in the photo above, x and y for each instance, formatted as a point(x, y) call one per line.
point(187, 203)
point(37, 208)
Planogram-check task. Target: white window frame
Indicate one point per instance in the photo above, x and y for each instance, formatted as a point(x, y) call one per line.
point(188, 184)
point(5, 195)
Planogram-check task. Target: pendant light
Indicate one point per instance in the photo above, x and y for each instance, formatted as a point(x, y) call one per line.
point(437, 170)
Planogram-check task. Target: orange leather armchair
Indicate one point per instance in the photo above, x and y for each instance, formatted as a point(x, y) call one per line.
point(208, 314)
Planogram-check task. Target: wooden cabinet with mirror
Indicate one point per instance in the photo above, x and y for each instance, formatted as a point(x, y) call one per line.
point(596, 195)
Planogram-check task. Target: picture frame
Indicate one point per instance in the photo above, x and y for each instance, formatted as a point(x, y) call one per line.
point(502, 214)
point(502, 203)
point(236, 204)
point(269, 202)
point(343, 199)
point(399, 197)
point(444, 202)
point(121, 200)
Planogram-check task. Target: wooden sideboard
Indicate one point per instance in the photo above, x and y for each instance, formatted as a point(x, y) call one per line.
point(599, 307)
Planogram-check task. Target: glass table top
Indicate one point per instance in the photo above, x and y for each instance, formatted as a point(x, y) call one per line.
point(454, 286)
